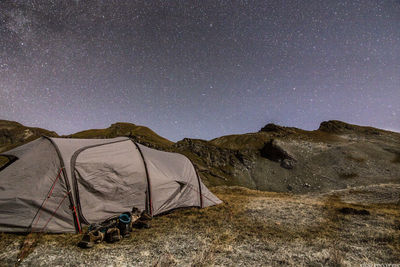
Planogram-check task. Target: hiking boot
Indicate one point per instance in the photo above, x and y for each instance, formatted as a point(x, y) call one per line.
point(86, 242)
point(124, 229)
point(139, 224)
point(134, 218)
point(124, 222)
point(97, 236)
point(135, 214)
point(135, 211)
point(113, 235)
point(145, 216)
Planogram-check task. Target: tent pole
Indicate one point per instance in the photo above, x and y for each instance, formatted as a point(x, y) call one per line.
point(71, 201)
point(150, 206)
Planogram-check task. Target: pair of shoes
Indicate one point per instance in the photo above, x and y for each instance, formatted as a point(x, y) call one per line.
point(86, 242)
point(113, 235)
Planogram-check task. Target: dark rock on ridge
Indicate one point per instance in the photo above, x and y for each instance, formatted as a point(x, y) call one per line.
point(339, 127)
point(275, 152)
point(271, 127)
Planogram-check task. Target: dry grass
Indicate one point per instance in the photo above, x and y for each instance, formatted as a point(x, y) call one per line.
point(250, 228)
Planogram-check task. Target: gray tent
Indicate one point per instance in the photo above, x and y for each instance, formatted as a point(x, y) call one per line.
point(56, 184)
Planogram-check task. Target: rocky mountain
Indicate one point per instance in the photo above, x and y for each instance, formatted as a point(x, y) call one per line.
point(276, 158)
point(282, 159)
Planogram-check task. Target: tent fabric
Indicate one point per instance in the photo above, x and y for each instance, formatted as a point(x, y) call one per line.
point(67, 147)
point(111, 179)
point(175, 181)
point(25, 184)
point(58, 184)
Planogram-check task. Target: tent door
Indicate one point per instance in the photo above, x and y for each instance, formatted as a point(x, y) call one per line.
point(110, 179)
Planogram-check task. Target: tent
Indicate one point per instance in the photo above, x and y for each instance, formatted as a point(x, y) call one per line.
point(59, 184)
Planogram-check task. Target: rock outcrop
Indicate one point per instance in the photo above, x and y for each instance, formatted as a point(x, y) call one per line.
point(339, 127)
point(274, 151)
point(218, 165)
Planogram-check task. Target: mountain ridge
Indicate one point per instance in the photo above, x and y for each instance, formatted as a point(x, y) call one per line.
point(337, 155)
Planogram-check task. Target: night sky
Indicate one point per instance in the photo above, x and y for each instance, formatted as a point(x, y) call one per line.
point(199, 69)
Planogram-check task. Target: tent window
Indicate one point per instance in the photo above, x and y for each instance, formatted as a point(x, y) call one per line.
point(6, 161)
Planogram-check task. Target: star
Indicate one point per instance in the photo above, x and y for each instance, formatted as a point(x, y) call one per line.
point(215, 68)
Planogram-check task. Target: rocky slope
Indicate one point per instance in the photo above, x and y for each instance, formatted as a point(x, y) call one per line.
point(281, 159)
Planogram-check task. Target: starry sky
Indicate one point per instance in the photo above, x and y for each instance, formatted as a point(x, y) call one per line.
point(199, 69)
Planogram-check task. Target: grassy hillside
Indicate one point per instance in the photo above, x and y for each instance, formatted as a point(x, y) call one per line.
point(13, 134)
point(141, 134)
